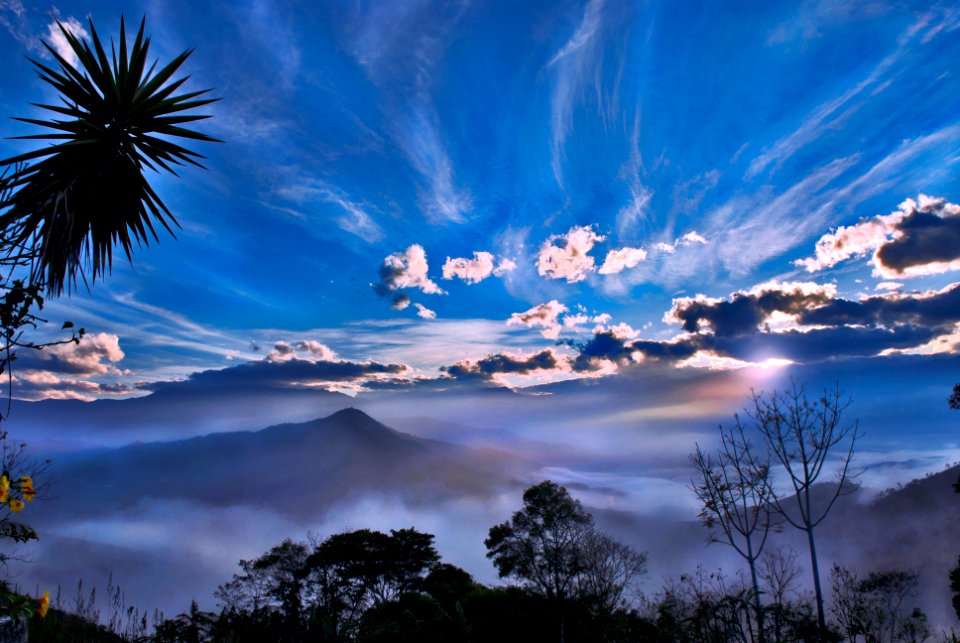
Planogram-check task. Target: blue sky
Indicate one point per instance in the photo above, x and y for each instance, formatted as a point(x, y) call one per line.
point(608, 175)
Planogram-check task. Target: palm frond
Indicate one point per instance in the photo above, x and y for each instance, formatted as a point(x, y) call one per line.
point(74, 201)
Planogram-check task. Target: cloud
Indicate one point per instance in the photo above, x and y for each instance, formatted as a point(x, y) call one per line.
point(919, 238)
point(574, 65)
point(406, 269)
point(71, 371)
point(400, 301)
point(475, 270)
point(619, 260)
point(59, 42)
point(571, 260)
point(505, 266)
point(888, 285)
point(354, 218)
point(931, 309)
point(305, 349)
point(831, 114)
point(747, 311)
point(424, 312)
point(640, 195)
point(492, 366)
point(545, 316)
point(95, 354)
point(286, 373)
point(689, 239)
point(44, 385)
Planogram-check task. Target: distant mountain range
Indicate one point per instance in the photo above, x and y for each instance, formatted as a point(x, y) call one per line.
point(297, 469)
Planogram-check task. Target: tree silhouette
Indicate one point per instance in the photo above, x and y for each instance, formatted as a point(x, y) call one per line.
point(736, 497)
point(540, 544)
point(67, 205)
point(801, 433)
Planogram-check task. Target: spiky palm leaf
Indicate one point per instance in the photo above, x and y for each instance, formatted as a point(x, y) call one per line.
point(72, 202)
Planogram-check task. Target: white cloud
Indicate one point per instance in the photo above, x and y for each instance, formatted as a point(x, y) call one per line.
point(309, 349)
point(472, 271)
point(89, 357)
point(620, 260)
point(572, 260)
point(888, 285)
point(688, 239)
point(505, 266)
point(407, 269)
point(424, 312)
point(691, 238)
point(923, 253)
point(59, 42)
point(475, 270)
point(545, 316)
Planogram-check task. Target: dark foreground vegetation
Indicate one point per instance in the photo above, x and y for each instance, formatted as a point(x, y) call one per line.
point(570, 583)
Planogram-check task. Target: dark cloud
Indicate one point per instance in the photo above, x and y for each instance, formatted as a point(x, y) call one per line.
point(745, 312)
point(827, 327)
point(930, 234)
point(937, 309)
point(921, 237)
point(281, 374)
point(488, 367)
point(816, 345)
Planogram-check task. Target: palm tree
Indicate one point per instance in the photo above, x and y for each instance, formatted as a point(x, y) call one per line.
point(66, 206)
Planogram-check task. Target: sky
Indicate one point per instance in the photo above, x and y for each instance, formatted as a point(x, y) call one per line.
point(422, 184)
point(647, 205)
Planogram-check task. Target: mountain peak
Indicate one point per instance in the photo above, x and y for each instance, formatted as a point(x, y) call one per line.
point(352, 414)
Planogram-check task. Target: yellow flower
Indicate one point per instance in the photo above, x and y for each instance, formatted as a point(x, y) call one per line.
point(4, 483)
point(26, 488)
point(16, 506)
point(4, 495)
point(44, 604)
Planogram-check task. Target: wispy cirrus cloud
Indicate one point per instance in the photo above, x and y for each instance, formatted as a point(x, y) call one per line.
point(573, 65)
point(832, 113)
point(398, 45)
point(629, 216)
point(58, 41)
point(353, 217)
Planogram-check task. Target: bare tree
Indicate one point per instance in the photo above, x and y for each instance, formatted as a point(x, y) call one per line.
point(610, 571)
point(779, 572)
point(736, 495)
point(801, 434)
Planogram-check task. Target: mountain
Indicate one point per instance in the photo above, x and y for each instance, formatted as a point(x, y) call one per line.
point(170, 413)
point(296, 469)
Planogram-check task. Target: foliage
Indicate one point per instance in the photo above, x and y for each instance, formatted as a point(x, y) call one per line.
point(88, 192)
point(875, 608)
point(541, 543)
